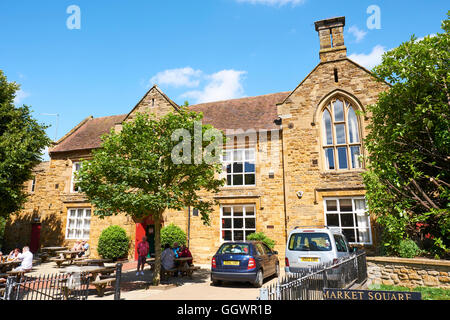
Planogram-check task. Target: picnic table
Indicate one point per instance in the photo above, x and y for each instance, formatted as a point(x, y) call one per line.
point(52, 250)
point(18, 273)
point(95, 271)
point(8, 265)
point(92, 262)
point(66, 256)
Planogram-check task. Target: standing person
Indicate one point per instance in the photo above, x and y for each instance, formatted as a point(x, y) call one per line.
point(185, 253)
point(142, 250)
point(27, 260)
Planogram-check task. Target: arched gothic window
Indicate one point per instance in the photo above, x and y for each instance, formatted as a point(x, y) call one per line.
point(340, 136)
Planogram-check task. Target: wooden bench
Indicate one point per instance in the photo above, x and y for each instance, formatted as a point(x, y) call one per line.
point(168, 273)
point(101, 284)
point(59, 261)
point(189, 271)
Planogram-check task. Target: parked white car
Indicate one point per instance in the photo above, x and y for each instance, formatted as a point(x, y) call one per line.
point(308, 247)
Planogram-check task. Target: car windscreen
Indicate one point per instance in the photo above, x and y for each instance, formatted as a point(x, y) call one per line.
point(239, 248)
point(310, 242)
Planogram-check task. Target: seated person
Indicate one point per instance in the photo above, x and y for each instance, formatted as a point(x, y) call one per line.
point(27, 260)
point(167, 258)
point(185, 253)
point(76, 246)
point(84, 246)
point(13, 255)
point(176, 249)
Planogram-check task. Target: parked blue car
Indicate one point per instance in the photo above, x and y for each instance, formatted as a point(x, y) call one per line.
point(247, 261)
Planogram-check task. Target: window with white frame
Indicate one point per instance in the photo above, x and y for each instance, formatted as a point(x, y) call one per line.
point(78, 223)
point(75, 168)
point(341, 139)
point(238, 221)
point(350, 216)
point(239, 166)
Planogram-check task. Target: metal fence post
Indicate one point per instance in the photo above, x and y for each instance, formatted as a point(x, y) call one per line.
point(263, 294)
point(10, 284)
point(118, 277)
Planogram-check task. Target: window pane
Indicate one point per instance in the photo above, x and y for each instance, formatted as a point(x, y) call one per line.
point(338, 110)
point(345, 205)
point(249, 211)
point(237, 180)
point(327, 134)
point(349, 234)
point(226, 223)
point(249, 167)
point(226, 235)
point(226, 156)
point(347, 220)
point(329, 158)
point(331, 205)
point(354, 151)
point(363, 235)
point(250, 223)
point(340, 133)
point(238, 235)
point(226, 211)
point(228, 168)
point(238, 155)
point(248, 232)
point(229, 182)
point(238, 167)
point(352, 126)
point(250, 179)
point(333, 220)
point(249, 154)
point(342, 158)
point(79, 213)
point(238, 211)
point(238, 223)
point(88, 213)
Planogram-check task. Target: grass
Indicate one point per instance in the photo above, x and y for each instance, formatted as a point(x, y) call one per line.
point(428, 293)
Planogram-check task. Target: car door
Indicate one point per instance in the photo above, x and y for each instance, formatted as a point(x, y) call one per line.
point(272, 258)
point(262, 258)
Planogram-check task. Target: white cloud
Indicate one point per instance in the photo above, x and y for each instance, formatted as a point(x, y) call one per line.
point(359, 34)
point(369, 60)
point(20, 96)
point(222, 85)
point(274, 2)
point(182, 77)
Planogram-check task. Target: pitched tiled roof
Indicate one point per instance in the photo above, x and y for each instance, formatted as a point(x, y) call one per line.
point(245, 113)
point(88, 133)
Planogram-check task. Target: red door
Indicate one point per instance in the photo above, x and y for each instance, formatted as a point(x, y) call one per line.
point(35, 237)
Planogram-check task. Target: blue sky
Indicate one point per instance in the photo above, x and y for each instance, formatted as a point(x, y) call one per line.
point(200, 50)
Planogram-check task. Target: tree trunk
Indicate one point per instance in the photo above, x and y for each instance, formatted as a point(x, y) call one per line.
point(157, 270)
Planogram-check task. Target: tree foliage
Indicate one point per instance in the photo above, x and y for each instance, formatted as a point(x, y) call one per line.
point(21, 142)
point(113, 243)
point(409, 142)
point(134, 171)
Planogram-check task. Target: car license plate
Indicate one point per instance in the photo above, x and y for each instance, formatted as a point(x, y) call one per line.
point(231, 263)
point(308, 259)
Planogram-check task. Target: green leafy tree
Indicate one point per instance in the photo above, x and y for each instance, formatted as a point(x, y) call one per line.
point(409, 142)
point(144, 170)
point(21, 142)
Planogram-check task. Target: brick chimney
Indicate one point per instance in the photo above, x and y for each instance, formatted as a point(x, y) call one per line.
point(331, 35)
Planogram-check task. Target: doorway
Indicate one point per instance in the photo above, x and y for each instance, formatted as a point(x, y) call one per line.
point(35, 237)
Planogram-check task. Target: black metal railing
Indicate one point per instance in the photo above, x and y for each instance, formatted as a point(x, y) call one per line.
point(309, 284)
point(73, 286)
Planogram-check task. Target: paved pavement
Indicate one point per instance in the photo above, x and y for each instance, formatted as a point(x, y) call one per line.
point(139, 287)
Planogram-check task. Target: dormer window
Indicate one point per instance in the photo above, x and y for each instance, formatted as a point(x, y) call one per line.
point(340, 136)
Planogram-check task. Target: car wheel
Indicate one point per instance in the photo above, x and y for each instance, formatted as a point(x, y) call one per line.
point(259, 279)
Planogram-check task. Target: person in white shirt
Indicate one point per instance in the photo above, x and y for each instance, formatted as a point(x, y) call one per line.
point(27, 260)
point(167, 257)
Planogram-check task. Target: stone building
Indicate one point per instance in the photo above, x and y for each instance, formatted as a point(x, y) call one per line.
point(293, 161)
